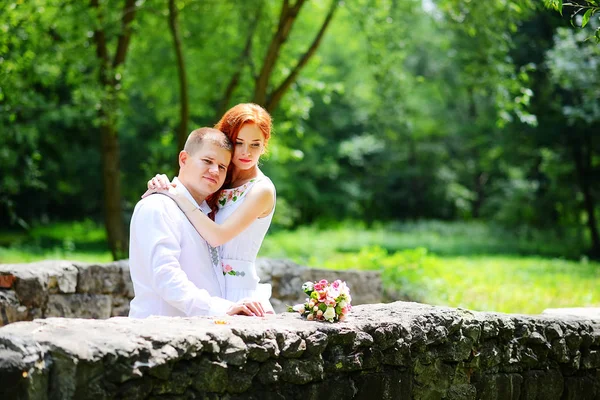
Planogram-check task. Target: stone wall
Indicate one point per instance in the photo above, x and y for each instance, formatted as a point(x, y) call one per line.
point(392, 351)
point(82, 290)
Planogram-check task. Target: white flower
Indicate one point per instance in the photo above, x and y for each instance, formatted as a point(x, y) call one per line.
point(307, 287)
point(343, 304)
point(332, 292)
point(298, 308)
point(329, 314)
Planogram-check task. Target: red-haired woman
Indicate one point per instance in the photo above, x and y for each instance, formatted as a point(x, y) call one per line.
point(244, 206)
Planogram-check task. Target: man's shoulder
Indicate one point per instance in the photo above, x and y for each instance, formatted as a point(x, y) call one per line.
point(157, 203)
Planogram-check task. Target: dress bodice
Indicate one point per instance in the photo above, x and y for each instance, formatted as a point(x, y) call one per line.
point(238, 255)
point(246, 245)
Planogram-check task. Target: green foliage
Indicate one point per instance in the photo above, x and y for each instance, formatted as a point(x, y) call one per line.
point(323, 243)
point(81, 241)
point(447, 109)
point(504, 283)
point(580, 12)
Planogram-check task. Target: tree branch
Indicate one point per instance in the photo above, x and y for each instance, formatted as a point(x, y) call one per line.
point(275, 97)
point(100, 40)
point(243, 59)
point(287, 18)
point(125, 35)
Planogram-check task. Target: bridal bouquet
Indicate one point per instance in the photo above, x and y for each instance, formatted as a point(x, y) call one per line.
point(326, 301)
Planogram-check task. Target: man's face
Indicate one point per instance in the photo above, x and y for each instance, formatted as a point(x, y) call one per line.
point(204, 171)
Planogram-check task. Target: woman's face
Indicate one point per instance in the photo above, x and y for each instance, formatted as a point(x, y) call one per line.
point(248, 147)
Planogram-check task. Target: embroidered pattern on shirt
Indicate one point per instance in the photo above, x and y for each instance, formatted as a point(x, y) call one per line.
point(214, 255)
point(228, 270)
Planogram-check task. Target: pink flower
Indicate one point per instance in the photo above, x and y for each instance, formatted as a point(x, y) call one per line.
point(336, 283)
point(227, 268)
point(330, 301)
point(323, 282)
point(318, 286)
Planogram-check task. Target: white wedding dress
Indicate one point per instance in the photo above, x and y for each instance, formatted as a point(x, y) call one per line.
point(238, 255)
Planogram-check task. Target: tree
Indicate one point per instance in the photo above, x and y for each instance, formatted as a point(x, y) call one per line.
point(574, 70)
point(583, 8)
point(109, 77)
point(264, 93)
point(182, 130)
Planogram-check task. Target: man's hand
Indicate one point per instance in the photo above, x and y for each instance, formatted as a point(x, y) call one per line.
point(248, 307)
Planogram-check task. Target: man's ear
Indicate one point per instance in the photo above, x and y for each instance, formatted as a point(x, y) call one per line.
point(183, 158)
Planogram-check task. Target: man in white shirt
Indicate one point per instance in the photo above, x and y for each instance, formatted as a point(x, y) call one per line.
point(171, 265)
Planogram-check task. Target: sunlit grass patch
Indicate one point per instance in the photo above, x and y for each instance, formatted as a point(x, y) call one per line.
point(488, 283)
point(78, 241)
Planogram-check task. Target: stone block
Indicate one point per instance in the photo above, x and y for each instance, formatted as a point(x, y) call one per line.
point(62, 277)
point(499, 387)
point(581, 388)
point(386, 385)
point(11, 310)
point(32, 289)
point(128, 284)
point(101, 278)
point(7, 280)
point(542, 385)
point(120, 306)
point(32, 282)
point(79, 306)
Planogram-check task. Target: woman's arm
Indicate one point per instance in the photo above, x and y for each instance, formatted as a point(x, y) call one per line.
point(258, 201)
point(159, 182)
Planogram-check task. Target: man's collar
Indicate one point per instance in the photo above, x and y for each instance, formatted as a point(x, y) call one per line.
point(180, 188)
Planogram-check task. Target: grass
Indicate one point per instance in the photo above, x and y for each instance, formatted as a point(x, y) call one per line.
point(471, 265)
point(77, 241)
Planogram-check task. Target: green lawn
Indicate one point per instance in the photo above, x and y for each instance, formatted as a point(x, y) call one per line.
point(470, 265)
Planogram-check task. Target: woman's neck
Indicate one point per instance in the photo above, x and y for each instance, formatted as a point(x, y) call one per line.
point(241, 176)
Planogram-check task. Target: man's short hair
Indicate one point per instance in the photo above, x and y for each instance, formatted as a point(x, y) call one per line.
point(201, 135)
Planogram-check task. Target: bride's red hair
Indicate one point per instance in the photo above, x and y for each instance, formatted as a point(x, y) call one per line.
point(230, 124)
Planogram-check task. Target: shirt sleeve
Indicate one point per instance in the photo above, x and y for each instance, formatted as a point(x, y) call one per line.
point(160, 236)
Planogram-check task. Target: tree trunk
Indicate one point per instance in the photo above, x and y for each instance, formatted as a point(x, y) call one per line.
point(113, 215)
point(111, 173)
point(582, 160)
point(481, 179)
point(184, 114)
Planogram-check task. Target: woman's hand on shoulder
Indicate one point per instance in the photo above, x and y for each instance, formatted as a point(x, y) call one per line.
point(158, 184)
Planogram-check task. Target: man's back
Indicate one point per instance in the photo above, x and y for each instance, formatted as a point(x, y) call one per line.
point(170, 264)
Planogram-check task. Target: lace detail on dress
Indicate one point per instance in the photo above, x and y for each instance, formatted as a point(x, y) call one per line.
point(230, 196)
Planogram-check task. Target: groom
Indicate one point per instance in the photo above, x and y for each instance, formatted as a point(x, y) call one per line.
point(171, 266)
